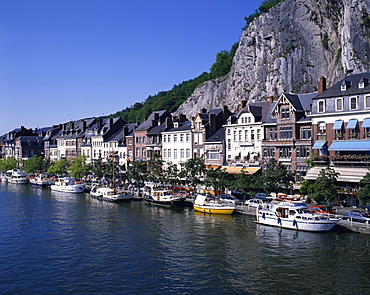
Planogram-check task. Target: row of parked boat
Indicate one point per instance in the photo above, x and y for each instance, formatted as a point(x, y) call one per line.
point(287, 214)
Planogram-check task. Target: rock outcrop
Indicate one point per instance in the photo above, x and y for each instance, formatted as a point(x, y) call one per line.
point(289, 49)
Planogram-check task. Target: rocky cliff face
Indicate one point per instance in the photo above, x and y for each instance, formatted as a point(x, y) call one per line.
point(289, 49)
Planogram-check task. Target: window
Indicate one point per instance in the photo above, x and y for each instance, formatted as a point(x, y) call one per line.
point(187, 137)
point(245, 135)
point(303, 152)
point(165, 138)
point(306, 133)
point(339, 104)
point(169, 138)
point(367, 101)
point(321, 106)
point(252, 135)
point(143, 152)
point(175, 153)
point(213, 155)
point(285, 153)
point(169, 153)
point(234, 135)
point(285, 113)
point(229, 144)
point(353, 103)
point(165, 153)
point(286, 133)
point(137, 152)
point(229, 131)
point(182, 154)
point(175, 138)
point(272, 133)
point(258, 135)
point(269, 152)
point(322, 127)
point(187, 153)
point(240, 135)
point(181, 137)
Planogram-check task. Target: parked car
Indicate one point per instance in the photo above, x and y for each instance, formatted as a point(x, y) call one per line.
point(357, 216)
point(230, 197)
point(254, 203)
point(263, 196)
point(321, 209)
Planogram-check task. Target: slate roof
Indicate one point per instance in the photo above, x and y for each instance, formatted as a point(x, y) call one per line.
point(269, 118)
point(147, 124)
point(218, 136)
point(353, 89)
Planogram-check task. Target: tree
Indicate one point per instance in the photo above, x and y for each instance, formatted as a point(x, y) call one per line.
point(275, 177)
point(194, 171)
point(325, 188)
point(155, 171)
point(9, 163)
point(364, 195)
point(78, 167)
point(36, 164)
point(136, 171)
point(216, 178)
point(171, 175)
point(307, 188)
point(59, 168)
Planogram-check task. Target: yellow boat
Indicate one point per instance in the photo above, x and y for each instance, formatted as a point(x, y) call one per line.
point(202, 204)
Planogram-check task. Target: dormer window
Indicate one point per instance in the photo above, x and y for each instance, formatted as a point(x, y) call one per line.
point(363, 82)
point(321, 106)
point(285, 113)
point(345, 85)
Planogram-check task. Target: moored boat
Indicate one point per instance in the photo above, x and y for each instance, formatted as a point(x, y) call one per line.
point(68, 185)
point(294, 215)
point(164, 197)
point(205, 204)
point(41, 180)
point(18, 176)
point(110, 194)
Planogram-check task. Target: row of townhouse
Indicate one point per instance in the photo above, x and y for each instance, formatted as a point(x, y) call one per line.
point(289, 128)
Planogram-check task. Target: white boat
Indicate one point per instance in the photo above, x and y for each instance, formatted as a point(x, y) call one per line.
point(68, 185)
point(164, 197)
point(110, 194)
point(294, 215)
point(41, 180)
point(18, 176)
point(205, 204)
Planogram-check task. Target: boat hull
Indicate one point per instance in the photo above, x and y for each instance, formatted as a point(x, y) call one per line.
point(168, 203)
point(73, 189)
point(214, 210)
point(314, 226)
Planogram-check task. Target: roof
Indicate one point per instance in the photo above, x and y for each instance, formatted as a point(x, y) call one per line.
point(352, 82)
point(183, 126)
point(269, 118)
point(218, 136)
point(147, 124)
point(346, 174)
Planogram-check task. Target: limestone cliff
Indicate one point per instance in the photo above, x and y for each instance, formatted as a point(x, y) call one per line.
point(288, 49)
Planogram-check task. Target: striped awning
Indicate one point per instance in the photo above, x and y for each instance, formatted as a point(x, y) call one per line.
point(338, 125)
point(366, 123)
point(238, 170)
point(352, 124)
point(350, 145)
point(318, 145)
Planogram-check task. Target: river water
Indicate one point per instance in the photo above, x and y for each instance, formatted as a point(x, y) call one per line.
point(56, 243)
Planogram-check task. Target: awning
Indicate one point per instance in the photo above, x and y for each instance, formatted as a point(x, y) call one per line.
point(366, 123)
point(237, 170)
point(352, 124)
point(338, 125)
point(352, 145)
point(318, 145)
point(346, 174)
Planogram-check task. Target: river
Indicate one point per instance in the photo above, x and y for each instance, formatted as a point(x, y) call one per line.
point(57, 243)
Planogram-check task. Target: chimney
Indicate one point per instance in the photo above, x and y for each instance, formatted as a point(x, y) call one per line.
point(156, 116)
point(271, 99)
point(322, 84)
point(84, 125)
point(98, 122)
point(203, 111)
point(243, 103)
point(168, 122)
point(154, 123)
point(212, 119)
point(182, 118)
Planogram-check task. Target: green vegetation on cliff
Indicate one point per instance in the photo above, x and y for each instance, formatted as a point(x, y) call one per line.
point(172, 99)
point(264, 7)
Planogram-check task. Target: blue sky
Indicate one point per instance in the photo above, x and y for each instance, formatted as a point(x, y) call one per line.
point(72, 59)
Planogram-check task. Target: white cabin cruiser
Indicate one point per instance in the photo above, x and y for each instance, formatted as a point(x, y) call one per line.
point(110, 194)
point(18, 176)
point(68, 185)
point(294, 215)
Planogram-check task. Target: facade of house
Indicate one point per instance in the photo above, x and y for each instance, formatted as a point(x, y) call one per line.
point(11, 148)
point(288, 132)
point(244, 136)
point(341, 125)
point(177, 144)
